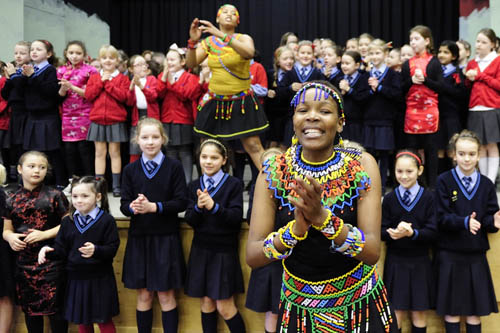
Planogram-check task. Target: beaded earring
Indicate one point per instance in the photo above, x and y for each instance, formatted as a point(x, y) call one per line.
point(341, 141)
point(295, 140)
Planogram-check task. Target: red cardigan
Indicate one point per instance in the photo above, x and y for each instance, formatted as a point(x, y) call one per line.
point(109, 99)
point(259, 76)
point(178, 100)
point(151, 93)
point(4, 110)
point(486, 87)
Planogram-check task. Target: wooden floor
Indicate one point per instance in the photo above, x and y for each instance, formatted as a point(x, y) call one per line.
point(189, 310)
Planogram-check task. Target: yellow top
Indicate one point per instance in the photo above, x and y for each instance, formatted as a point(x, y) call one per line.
point(230, 72)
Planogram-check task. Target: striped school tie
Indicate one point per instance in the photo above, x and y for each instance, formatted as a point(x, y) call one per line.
point(406, 198)
point(211, 183)
point(83, 221)
point(467, 181)
point(151, 166)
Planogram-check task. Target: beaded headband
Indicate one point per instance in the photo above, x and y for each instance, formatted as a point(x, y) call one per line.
point(322, 92)
point(407, 153)
point(215, 142)
point(227, 4)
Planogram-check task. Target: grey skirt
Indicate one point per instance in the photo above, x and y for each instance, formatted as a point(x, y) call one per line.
point(178, 134)
point(108, 133)
point(486, 124)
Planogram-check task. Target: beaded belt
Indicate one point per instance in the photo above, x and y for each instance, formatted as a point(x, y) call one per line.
point(334, 305)
point(225, 103)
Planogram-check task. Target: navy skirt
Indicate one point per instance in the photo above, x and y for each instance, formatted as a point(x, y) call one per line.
point(154, 262)
point(92, 300)
point(464, 284)
point(409, 282)
point(264, 288)
point(378, 137)
point(214, 274)
point(42, 133)
point(243, 122)
point(447, 127)
point(178, 134)
point(353, 131)
point(17, 123)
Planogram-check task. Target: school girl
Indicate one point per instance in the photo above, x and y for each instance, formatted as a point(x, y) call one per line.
point(143, 97)
point(108, 91)
point(73, 76)
point(179, 89)
point(381, 107)
point(13, 92)
point(421, 80)
point(215, 212)
point(153, 193)
point(32, 220)
point(41, 97)
point(332, 57)
point(483, 73)
point(354, 87)
point(87, 241)
point(409, 228)
point(452, 96)
point(467, 208)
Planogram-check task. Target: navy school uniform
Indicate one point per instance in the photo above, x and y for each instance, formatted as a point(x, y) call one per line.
point(285, 91)
point(334, 74)
point(153, 255)
point(264, 287)
point(452, 96)
point(214, 268)
point(408, 272)
point(13, 92)
point(91, 293)
point(464, 284)
point(277, 108)
point(381, 109)
point(354, 104)
point(43, 126)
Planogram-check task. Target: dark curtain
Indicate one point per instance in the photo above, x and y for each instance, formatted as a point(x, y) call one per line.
point(154, 24)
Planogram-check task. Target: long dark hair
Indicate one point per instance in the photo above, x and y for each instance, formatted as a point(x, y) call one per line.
point(98, 186)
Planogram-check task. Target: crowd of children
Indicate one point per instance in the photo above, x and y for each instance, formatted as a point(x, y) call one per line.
point(408, 99)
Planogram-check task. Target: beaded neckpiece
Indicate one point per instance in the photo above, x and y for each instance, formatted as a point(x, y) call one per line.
point(341, 176)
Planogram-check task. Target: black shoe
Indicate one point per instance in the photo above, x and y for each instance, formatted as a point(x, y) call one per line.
point(117, 192)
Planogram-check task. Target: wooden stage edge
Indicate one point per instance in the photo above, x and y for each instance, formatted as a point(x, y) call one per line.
point(189, 308)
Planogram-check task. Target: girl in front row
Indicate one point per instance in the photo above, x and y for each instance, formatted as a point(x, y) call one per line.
point(215, 212)
point(409, 227)
point(32, 219)
point(467, 212)
point(87, 241)
point(153, 193)
point(108, 91)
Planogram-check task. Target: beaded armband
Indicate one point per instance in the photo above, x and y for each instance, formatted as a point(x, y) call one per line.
point(270, 250)
point(191, 44)
point(331, 227)
point(287, 237)
point(353, 245)
point(227, 38)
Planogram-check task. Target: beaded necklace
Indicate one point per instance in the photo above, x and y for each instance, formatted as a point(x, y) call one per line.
point(341, 176)
point(216, 47)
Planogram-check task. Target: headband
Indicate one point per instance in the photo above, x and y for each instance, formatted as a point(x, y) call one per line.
point(227, 4)
point(322, 91)
point(177, 49)
point(215, 142)
point(407, 153)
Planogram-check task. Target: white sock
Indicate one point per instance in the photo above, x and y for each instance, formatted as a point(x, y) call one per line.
point(483, 166)
point(493, 168)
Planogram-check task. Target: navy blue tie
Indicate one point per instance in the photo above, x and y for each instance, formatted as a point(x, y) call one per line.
point(151, 166)
point(303, 72)
point(211, 183)
point(377, 74)
point(467, 181)
point(349, 79)
point(83, 221)
point(36, 69)
point(406, 197)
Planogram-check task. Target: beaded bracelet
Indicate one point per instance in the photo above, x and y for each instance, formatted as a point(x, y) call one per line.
point(230, 40)
point(191, 44)
point(331, 227)
point(270, 250)
point(353, 245)
point(287, 237)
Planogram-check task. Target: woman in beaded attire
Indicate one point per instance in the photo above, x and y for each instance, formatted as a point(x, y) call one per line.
point(331, 195)
point(229, 110)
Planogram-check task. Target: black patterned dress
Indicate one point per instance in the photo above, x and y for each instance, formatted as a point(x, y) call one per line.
point(39, 288)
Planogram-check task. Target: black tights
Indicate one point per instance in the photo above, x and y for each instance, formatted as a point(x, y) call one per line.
point(79, 156)
point(35, 324)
